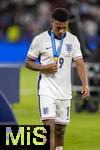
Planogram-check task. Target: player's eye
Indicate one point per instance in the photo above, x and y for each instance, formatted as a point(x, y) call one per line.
point(59, 28)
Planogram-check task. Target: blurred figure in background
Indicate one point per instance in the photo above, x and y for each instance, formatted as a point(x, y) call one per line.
point(90, 18)
point(13, 33)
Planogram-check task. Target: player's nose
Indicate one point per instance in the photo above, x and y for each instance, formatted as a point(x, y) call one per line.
point(61, 31)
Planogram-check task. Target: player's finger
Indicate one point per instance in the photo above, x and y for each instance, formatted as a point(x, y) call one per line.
point(85, 94)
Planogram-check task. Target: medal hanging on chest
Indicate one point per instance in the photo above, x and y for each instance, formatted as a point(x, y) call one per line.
point(56, 52)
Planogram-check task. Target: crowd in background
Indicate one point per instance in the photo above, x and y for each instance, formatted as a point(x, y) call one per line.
point(23, 19)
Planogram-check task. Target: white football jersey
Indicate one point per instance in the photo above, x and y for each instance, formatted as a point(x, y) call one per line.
point(56, 85)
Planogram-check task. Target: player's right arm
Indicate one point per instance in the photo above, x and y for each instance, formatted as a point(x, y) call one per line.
point(32, 65)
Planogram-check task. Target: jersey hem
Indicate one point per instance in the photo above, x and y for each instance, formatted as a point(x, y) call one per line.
point(61, 123)
point(77, 57)
point(47, 118)
point(34, 58)
point(68, 98)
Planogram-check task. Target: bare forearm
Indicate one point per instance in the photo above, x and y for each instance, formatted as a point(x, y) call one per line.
point(82, 72)
point(33, 66)
point(49, 68)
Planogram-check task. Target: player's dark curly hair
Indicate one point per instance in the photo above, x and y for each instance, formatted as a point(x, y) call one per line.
point(61, 14)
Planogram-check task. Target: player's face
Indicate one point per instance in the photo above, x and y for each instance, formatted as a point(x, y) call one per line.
point(59, 28)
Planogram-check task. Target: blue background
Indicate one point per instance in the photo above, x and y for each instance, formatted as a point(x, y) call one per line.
point(13, 52)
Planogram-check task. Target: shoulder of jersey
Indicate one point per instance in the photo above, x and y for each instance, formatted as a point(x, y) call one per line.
point(42, 35)
point(70, 35)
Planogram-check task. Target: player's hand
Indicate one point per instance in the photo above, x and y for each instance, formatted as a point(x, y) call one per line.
point(50, 68)
point(85, 91)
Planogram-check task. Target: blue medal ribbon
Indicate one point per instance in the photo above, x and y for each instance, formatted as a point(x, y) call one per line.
point(56, 52)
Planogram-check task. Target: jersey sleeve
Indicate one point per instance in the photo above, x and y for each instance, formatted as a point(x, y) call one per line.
point(77, 51)
point(34, 49)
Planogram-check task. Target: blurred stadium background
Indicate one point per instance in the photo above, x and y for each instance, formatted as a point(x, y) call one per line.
point(20, 21)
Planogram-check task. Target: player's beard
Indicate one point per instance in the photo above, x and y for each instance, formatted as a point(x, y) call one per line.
point(58, 35)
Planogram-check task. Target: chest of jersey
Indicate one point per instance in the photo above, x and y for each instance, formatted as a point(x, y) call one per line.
point(47, 51)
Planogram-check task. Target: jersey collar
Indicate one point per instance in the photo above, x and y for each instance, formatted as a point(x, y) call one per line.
point(49, 32)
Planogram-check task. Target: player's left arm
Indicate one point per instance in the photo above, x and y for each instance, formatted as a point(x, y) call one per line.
point(82, 72)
